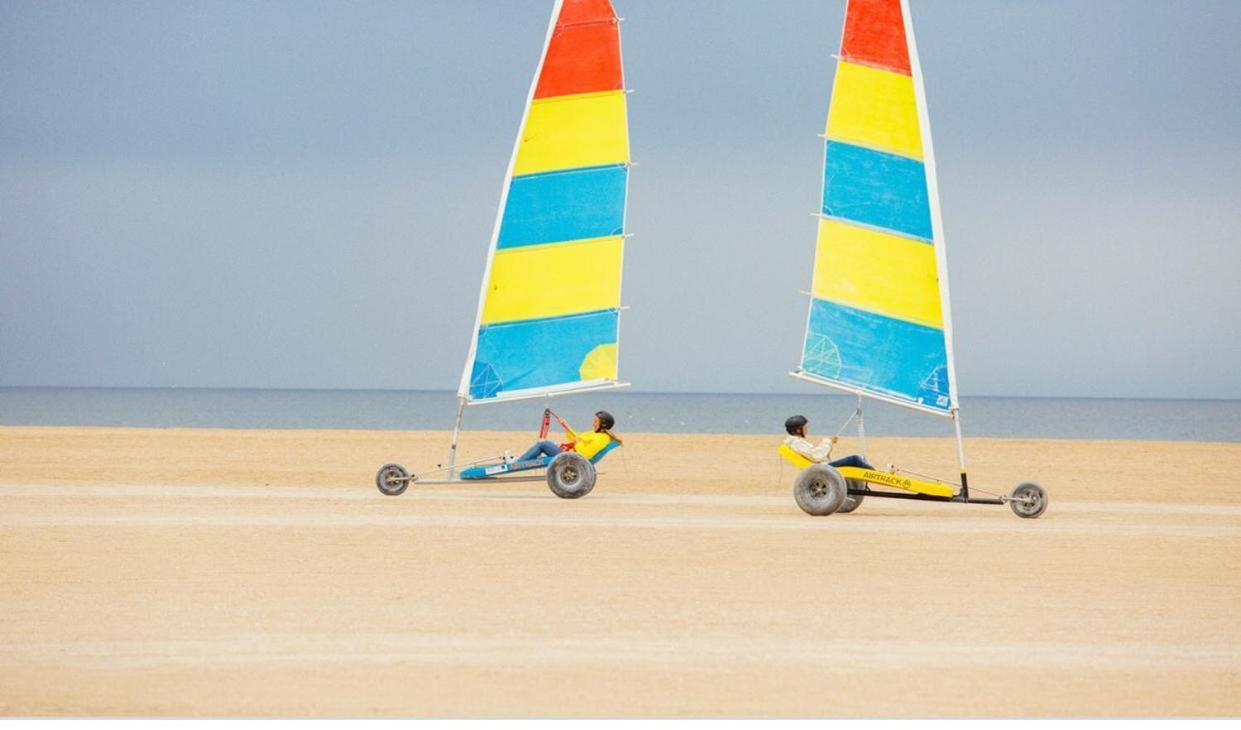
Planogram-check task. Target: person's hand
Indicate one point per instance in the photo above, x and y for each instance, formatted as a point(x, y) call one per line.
point(835, 439)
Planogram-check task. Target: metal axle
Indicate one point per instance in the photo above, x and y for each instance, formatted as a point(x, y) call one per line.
point(962, 498)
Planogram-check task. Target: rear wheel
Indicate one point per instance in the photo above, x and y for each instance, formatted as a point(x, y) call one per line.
point(853, 501)
point(392, 479)
point(819, 490)
point(570, 475)
point(1028, 500)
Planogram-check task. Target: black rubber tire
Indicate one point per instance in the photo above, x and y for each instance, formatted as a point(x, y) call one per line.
point(853, 501)
point(570, 475)
point(1036, 505)
point(819, 490)
point(392, 479)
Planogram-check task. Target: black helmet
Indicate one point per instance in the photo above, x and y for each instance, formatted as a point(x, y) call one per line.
point(794, 424)
point(606, 422)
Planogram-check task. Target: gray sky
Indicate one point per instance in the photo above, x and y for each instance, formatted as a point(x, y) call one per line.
point(300, 194)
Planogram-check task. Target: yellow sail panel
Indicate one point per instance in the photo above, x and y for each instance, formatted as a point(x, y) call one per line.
point(877, 272)
point(876, 109)
point(599, 363)
point(536, 282)
point(580, 130)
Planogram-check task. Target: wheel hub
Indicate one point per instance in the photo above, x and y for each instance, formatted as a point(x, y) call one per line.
point(1029, 502)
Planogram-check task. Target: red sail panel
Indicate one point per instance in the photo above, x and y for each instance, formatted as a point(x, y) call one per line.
point(581, 58)
point(585, 11)
point(875, 35)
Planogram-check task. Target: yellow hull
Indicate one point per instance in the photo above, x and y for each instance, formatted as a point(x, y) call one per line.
point(872, 476)
point(886, 479)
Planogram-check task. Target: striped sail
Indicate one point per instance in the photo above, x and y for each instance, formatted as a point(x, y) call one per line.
point(549, 309)
point(879, 322)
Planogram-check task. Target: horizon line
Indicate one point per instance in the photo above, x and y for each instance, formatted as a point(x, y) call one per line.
point(629, 392)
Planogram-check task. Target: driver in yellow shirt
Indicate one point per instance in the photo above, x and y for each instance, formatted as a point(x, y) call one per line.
point(586, 444)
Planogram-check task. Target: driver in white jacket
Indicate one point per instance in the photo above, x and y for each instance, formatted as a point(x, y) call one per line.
point(799, 441)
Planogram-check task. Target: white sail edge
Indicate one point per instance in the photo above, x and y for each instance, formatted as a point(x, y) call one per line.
point(932, 185)
point(629, 165)
point(463, 388)
point(817, 380)
point(584, 386)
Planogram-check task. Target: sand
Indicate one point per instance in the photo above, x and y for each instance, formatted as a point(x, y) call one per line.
point(232, 572)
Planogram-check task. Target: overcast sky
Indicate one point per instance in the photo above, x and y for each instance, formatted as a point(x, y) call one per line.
point(300, 194)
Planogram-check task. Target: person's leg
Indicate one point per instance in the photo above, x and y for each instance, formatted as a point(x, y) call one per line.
point(852, 460)
point(542, 448)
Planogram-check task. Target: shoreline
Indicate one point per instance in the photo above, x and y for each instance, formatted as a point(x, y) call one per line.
point(1215, 421)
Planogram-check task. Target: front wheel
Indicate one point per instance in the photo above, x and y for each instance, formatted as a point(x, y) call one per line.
point(570, 475)
point(392, 479)
point(819, 490)
point(1028, 500)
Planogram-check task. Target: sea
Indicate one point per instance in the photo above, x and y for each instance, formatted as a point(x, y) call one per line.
point(743, 413)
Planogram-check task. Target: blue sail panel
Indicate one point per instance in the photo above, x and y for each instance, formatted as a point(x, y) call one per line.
point(876, 189)
point(870, 352)
point(539, 353)
point(565, 205)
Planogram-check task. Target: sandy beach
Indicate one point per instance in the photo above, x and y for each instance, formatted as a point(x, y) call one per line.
point(234, 572)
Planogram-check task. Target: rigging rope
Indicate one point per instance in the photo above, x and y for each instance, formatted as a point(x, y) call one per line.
point(895, 469)
point(857, 412)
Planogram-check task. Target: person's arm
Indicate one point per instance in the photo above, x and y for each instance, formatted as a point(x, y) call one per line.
point(565, 425)
point(811, 452)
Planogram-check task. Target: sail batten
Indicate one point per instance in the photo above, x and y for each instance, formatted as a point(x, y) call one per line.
point(548, 316)
point(879, 322)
